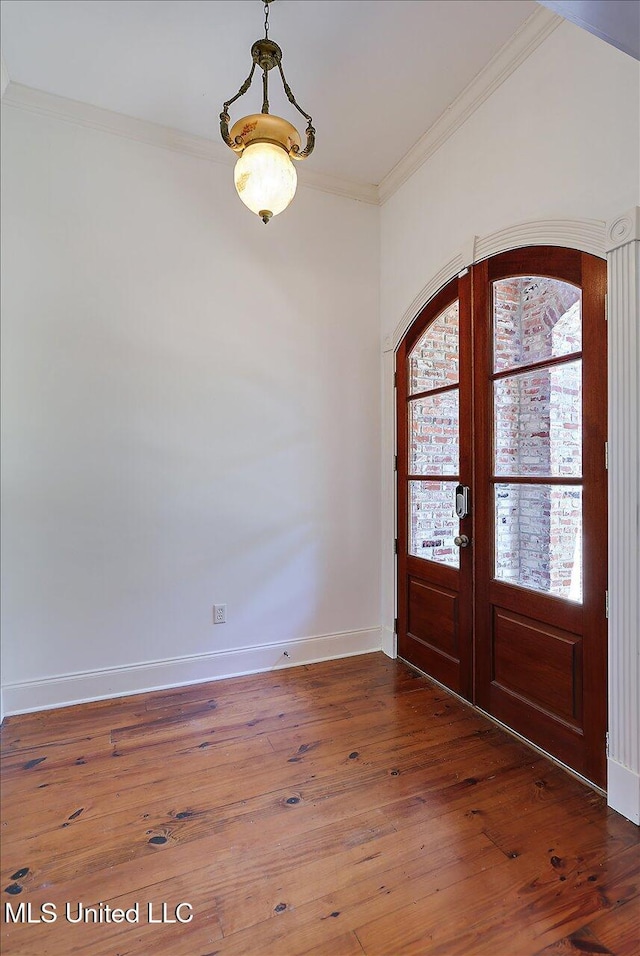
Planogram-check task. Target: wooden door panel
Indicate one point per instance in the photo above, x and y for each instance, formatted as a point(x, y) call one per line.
point(433, 617)
point(440, 575)
point(542, 607)
point(560, 738)
point(538, 662)
point(432, 660)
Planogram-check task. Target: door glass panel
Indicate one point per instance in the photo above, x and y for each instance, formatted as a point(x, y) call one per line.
point(432, 522)
point(538, 422)
point(535, 318)
point(433, 431)
point(538, 538)
point(433, 362)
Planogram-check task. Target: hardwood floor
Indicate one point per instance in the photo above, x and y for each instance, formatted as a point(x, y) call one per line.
point(335, 809)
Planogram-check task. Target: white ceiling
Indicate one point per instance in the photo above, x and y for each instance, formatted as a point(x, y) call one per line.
point(616, 21)
point(374, 74)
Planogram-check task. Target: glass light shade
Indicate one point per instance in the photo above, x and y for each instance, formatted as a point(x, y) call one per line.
point(265, 179)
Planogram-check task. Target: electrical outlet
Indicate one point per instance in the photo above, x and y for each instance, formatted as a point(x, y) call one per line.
point(219, 613)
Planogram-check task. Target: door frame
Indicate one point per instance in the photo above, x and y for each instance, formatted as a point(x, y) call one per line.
point(607, 241)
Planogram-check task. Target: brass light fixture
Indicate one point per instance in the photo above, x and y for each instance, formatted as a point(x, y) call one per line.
point(264, 175)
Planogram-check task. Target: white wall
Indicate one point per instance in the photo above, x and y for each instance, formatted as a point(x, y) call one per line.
point(182, 391)
point(558, 140)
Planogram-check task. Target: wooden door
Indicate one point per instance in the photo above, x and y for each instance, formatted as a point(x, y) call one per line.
point(531, 651)
point(433, 379)
point(541, 491)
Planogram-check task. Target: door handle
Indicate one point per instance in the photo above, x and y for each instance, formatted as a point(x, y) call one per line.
point(462, 501)
point(461, 541)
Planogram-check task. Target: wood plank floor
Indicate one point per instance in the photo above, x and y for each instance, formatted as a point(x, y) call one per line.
point(334, 809)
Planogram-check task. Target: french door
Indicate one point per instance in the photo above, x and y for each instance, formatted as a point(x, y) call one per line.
point(502, 522)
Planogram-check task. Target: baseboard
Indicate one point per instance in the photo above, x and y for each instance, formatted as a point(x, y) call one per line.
point(62, 690)
point(623, 790)
point(389, 642)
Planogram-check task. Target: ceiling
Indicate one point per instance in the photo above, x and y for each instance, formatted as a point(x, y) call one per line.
point(375, 75)
point(616, 21)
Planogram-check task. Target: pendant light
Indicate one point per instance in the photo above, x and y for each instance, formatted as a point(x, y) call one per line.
point(264, 176)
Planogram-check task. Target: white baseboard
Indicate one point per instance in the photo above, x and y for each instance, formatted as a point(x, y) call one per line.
point(623, 790)
point(26, 696)
point(389, 642)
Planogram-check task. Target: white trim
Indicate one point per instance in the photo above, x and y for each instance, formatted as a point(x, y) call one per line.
point(94, 117)
point(439, 280)
point(588, 235)
point(50, 692)
point(623, 787)
point(623, 229)
point(4, 77)
point(389, 642)
point(623, 326)
point(515, 51)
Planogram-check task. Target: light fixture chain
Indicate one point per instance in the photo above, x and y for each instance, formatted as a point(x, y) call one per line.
point(243, 89)
point(266, 21)
point(290, 95)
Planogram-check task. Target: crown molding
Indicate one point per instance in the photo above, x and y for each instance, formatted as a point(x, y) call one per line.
point(527, 39)
point(515, 51)
point(349, 188)
point(142, 131)
point(95, 117)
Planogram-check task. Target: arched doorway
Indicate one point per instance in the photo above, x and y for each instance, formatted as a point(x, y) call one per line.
point(502, 519)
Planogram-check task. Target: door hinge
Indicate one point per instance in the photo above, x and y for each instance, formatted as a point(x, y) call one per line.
point(395, 462)
point(606, 604)
point(395, 625)
point(606, 743)
point(395, 379)
point(606, 306)
point(395, 546)
point(606, 455)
